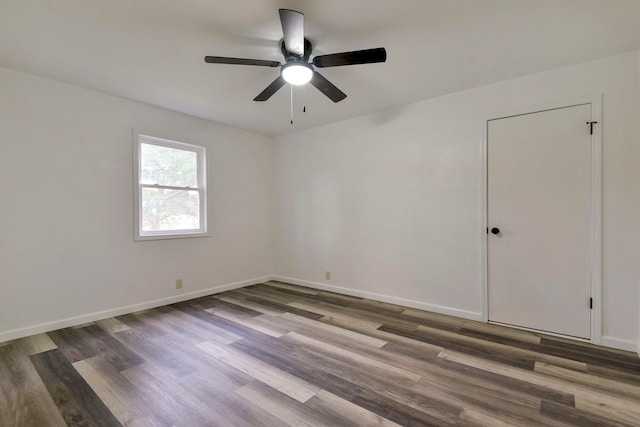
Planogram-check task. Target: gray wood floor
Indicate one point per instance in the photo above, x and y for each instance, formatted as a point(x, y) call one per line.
point(277, 354)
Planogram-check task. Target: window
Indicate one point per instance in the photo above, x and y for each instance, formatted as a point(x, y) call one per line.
point(170, 190)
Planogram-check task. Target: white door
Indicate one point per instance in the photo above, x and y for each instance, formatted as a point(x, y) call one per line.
point(539, 198)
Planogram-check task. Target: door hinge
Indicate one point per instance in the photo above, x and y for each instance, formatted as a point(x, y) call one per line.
point(591, 303)
point(591, 127)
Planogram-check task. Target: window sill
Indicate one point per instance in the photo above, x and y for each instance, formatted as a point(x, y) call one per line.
point(170, 236)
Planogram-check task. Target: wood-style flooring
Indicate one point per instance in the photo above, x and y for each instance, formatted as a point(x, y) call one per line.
point(276, 354)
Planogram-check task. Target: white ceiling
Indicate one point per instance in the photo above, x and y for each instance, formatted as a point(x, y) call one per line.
point(152, 50)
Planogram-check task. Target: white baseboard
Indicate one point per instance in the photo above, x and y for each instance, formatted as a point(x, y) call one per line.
point(620, 343)
point(608, 341)
point(466, 314)
point(99, 315)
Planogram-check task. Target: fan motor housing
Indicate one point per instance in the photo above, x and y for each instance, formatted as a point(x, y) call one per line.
point(288, 56)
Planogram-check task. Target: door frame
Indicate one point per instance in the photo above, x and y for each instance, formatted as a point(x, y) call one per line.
point(596, 204)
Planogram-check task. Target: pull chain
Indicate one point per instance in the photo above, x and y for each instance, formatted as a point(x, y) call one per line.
point(291, 86)
point(304, 104)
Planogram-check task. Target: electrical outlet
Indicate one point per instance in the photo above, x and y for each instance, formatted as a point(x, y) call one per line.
point(179, 284)
point(327, 275)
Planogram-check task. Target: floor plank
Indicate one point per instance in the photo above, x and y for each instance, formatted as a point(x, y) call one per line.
point(24, 400)
point(76, 401)
point(287, 384)
point(127, 403)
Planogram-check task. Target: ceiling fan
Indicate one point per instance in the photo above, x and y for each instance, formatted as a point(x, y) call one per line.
point(297, 70)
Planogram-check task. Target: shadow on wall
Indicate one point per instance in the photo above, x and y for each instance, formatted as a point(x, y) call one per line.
point(384, 117)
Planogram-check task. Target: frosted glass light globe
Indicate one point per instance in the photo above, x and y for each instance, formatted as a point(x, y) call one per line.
point(297, 74)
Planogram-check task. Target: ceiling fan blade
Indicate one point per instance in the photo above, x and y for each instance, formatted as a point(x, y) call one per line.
point(293, 31)
point(270, 90)
point(367, 56)
point(240, 61)
point(326, 87)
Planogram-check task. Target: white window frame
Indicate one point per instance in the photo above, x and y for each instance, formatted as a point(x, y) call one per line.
point(201, 182)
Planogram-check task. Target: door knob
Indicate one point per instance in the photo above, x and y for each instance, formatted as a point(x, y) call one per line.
point(495, 230)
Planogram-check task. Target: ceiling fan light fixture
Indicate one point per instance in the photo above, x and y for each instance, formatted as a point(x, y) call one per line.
point(297, 70)
point(297, 74)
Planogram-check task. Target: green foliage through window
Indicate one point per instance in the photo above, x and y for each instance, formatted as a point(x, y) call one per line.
point(168, 166)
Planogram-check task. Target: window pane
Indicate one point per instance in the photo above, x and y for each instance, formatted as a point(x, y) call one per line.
point(167, 166)
point(164, 209)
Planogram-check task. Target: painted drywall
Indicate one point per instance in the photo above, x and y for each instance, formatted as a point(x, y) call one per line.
point(67, 251)
point(390, 203)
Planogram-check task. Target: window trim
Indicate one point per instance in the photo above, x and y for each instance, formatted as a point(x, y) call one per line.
point(140, 138)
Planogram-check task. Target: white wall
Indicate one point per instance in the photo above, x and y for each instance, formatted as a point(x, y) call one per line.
point(66, 208)
point(390, 203)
